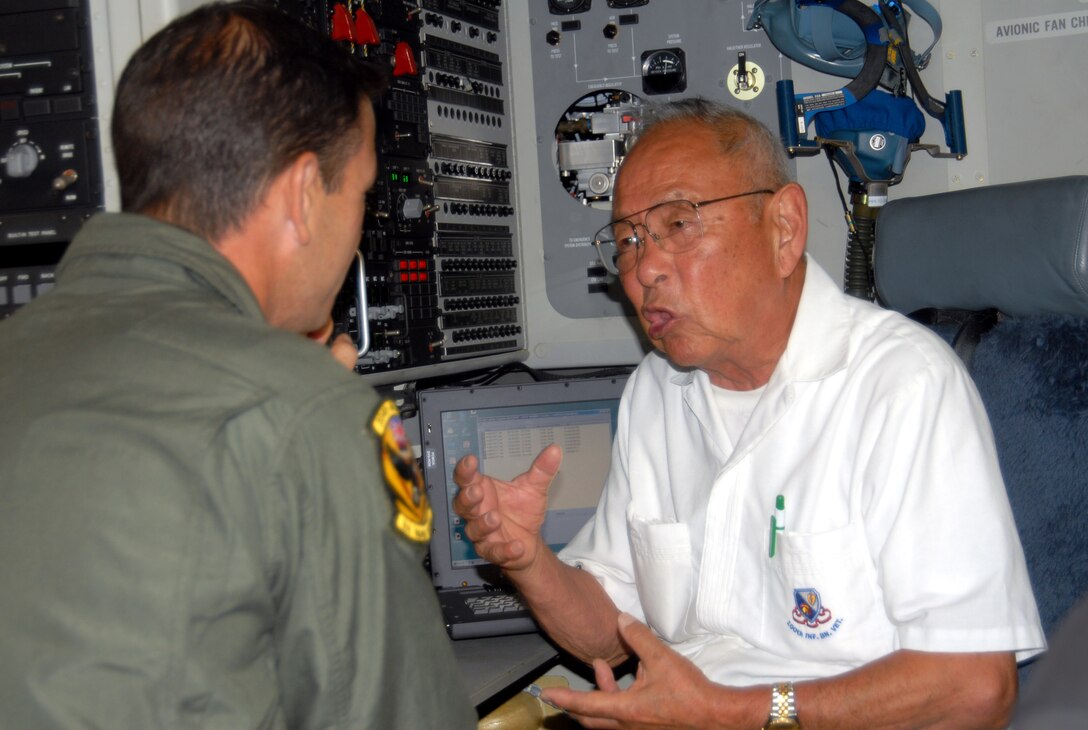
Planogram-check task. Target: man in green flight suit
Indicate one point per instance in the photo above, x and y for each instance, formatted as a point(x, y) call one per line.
point(205, 519)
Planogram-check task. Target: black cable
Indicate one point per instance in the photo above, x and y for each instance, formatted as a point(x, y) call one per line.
point(838, 188)
point(407, 396)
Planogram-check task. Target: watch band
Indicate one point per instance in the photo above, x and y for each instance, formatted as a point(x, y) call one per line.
point(783, 709)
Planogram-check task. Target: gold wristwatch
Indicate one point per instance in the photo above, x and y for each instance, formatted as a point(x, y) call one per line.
point(783, 710)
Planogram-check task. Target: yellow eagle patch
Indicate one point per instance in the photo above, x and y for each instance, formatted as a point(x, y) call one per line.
point(402, 475)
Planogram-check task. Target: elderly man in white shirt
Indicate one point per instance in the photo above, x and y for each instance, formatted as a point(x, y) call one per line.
point(804, 506)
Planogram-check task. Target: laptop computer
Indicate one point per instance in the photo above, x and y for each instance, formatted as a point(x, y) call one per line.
point(506, 426)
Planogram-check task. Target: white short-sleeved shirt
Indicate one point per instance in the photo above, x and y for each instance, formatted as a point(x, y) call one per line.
point(897, 529)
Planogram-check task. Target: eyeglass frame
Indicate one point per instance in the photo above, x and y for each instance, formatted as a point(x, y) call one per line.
point(640, 241)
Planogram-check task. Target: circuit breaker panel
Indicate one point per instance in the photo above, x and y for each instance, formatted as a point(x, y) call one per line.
point(50, 161)
point(437, 281)
point(595, 64)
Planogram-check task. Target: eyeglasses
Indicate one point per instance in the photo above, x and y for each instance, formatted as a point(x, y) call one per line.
point(674, 225)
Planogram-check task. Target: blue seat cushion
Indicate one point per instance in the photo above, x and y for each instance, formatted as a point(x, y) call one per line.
point(1032, 374)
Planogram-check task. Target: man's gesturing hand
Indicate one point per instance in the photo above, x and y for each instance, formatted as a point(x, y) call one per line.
point(503, 519)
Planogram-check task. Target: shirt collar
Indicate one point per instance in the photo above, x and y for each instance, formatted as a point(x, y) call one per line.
point(139, 236)
point(817, 344)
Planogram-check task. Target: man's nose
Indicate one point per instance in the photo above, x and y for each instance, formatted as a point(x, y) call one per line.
point(652, 260)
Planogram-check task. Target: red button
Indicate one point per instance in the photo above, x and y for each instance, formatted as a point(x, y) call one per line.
point(366, 32)
point(342, 28)
point(404, 63)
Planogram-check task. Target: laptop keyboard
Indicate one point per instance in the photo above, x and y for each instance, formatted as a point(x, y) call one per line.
point(494, 603)
point(478, 612)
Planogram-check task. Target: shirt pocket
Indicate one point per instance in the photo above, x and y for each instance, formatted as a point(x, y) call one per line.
point(663, 574)
point(823, 602)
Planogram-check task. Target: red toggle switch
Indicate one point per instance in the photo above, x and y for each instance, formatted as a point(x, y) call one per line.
point(342, 28)
point(366, 33)
point(404, 63)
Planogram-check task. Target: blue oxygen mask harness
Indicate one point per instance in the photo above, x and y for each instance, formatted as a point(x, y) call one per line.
point(865, 130)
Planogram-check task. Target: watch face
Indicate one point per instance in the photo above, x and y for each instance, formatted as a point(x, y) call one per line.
point(782, 723)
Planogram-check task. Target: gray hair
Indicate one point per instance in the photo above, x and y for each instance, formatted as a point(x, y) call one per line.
point(739, 134)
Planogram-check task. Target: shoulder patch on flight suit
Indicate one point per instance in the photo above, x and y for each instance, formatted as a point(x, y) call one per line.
point(402, 475)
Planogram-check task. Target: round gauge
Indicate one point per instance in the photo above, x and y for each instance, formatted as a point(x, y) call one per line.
point(664, 71)
point(566, 7)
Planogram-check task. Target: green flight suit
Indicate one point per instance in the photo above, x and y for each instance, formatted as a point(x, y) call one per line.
point(195, 531)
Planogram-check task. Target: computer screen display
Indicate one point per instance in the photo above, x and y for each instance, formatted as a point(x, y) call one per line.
point(506, 426)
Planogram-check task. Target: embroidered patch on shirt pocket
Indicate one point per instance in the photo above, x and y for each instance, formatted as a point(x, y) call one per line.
point(822, 599)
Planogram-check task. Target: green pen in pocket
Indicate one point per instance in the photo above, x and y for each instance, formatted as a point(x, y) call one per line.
point(778, 522)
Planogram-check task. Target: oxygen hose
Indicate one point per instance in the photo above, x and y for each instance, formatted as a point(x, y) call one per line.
point(858, 273)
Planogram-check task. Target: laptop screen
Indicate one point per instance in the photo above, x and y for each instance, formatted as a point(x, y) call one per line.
point(506, 426)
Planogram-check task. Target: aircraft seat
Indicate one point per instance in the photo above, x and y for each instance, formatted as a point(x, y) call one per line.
point(1001, 272)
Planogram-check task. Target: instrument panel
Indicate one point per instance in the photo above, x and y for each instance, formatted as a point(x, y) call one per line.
point(498, 142)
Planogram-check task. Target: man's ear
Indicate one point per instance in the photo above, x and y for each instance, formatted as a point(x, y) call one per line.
point(301, 185)
point(789, 217)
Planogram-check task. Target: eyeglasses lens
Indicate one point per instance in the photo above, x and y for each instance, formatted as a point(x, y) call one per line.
point(674, 225)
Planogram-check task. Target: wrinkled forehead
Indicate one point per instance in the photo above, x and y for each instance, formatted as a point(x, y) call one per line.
point(674, 160)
